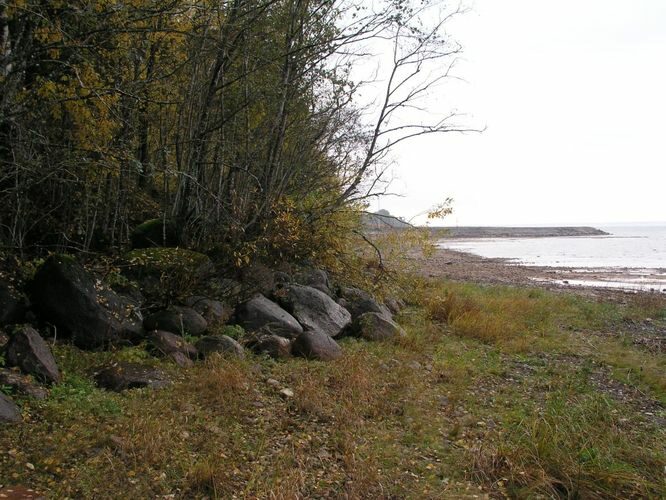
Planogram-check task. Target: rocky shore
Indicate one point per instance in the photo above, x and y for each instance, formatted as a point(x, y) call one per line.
point(173, 303)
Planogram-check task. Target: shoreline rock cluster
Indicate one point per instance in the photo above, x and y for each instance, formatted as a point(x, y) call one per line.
point(298, 315)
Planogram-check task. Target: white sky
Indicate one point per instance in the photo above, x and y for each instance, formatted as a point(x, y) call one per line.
point(573, 94)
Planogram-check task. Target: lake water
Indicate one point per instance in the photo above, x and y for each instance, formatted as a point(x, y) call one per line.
point(636, 253)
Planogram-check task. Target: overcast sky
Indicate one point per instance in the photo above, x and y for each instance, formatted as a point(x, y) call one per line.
point(573, 95)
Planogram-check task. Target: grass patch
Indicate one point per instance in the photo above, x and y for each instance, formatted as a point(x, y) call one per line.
point(577, 447)
point(495, 390)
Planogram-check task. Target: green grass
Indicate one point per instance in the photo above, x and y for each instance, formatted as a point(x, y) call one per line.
point(497, 391)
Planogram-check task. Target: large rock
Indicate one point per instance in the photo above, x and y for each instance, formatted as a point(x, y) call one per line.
point(125, 375)
point(315, 344)
point(9, 412)
point(155, 233)
point(64, 294)
point(27, 350)
point(222, 344)
point(359, 302)
point(351, 293)
point(274, 329)
point(314, 309)
point(376, 326)
point(12, 305)
point(394, 305)
point(173, 346)
point(176, 319)
point(271, 340)
point(316, 278)
point(213, 311)
point(271, 345)
point(260, 311)
point(22, 384)
point(364, 306)
point(126, 307)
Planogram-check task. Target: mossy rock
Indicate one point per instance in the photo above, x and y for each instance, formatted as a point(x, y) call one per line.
point(64, 294)
point(155, 233)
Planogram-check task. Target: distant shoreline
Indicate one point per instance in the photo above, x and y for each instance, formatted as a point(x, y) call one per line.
point(464, 232)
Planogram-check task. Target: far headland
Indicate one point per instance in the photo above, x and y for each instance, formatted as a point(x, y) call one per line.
point(519, 232)
point(383, 220)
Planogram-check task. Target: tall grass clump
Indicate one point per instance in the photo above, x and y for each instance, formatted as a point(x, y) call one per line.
point(577, 447)
point(493, 315)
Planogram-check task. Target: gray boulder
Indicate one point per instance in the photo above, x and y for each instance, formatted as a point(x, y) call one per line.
point(316, 278)
point(369, 306)
point(265, 341)
point(375, 326)
point(314, 309)
point(276, 329)
point(177, 319)
point(125, 375)
point(394, 305)
point(315, 344)
point(173, 346)
point(222, 344)
point(359, 302)
point(64, 294)
point(28, 351)
point(351, 293)
point(9, 412)
point(213, 311)
point(260, 311)
point(22, 384)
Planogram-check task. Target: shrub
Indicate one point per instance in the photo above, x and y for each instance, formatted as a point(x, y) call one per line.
point(166, 274)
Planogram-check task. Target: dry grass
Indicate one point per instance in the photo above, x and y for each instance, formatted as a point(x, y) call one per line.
point(510, 318)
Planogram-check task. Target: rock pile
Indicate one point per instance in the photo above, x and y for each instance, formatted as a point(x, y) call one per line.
point(303, 315)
